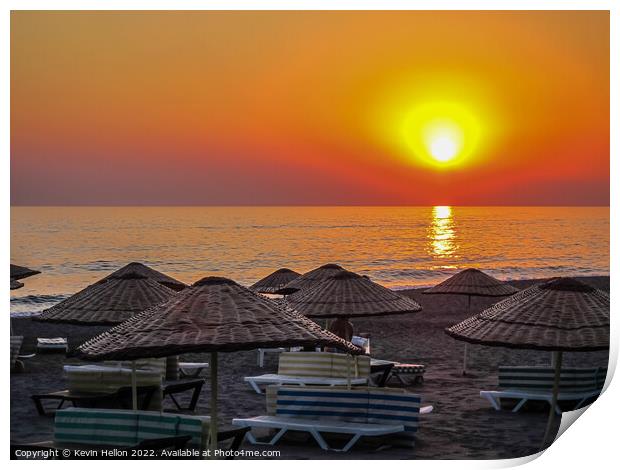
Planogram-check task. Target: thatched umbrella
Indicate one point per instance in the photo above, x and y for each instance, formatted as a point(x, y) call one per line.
point(275, 281)
point(472, 282)
point(310, 278)
point(110, 302)
point(144, 270)
point(21, 272)
point(214, 315)
point(346, 295)
point(560, 315)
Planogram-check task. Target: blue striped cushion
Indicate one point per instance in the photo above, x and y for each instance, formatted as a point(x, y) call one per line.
point(323, 403)
point(392, 406)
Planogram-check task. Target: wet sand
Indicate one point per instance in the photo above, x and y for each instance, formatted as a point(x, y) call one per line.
point(462, 425)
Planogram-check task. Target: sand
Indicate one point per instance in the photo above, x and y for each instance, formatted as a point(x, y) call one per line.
point(462, 425)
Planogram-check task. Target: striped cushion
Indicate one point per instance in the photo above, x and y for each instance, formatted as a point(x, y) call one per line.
point(271, 397)
point(323, 364)
point(356, 366)
point(323, 403)
point(394, 406)
point(93, 426)
point(16, 344)
point(125, 427)
point(541, 378)
point(408, 368)
point(156, 364)
point(305, 364)
point(153, 425)
point(92, 378)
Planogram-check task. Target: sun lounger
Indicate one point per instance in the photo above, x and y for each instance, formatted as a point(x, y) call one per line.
point(358, 413)
point(173, 389)
point(52, 345)
point(95, 383)
point(121, 398)
point(192, 369)
point(524, 384)
point(83, 428)
point(407, 374)
point(315, 368)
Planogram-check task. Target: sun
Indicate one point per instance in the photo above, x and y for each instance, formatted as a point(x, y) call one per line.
point(440, 134)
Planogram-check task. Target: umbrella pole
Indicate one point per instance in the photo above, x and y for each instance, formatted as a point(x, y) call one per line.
point(465, 349)
point(213, 421)
point(557, 365)
point(134, 386)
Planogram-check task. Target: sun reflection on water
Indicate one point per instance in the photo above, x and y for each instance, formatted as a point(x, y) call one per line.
point(442, 233)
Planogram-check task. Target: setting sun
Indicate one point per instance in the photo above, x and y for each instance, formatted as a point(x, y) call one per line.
point(444, 141)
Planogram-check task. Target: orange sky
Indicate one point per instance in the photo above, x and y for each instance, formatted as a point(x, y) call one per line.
point(305, 107)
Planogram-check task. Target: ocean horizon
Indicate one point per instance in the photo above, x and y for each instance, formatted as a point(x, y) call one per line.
point(397, 246)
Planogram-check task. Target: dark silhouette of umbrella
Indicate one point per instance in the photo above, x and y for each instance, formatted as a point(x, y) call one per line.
point(560, 315)
point(144, 270)
point(21, 272)
point(275, 281)
point(472, 282)
point(214, 315)
point(108, 303)
point(310, 278)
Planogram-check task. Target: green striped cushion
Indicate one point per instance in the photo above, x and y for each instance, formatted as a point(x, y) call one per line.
point(344, 365)
point(92, 378)
point(157, 364)
point(153, 425)
point(16, 344)
point(572, 380)
point(323, 364)
point(125, 427)
point(305, 364)
point(93, 426)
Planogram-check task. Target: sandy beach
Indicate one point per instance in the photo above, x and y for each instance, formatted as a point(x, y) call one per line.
point(462, 425)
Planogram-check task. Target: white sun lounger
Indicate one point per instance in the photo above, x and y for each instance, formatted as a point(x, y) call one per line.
point(315, 368)
point(536, 383)
point(356, 412)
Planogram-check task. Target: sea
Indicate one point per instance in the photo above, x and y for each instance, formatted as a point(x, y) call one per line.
point(398, 247)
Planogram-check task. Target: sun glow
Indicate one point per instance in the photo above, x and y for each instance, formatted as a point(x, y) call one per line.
point(441, 134)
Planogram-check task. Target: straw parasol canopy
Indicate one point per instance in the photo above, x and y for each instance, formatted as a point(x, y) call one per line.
point(472, 281)
point(310, 278)
point(276, 280)
point(16, 284)
point(151, 273)
point(110, 302)
point(21, 272)
point(214, 314)
point(347, 294)
point(562, 314)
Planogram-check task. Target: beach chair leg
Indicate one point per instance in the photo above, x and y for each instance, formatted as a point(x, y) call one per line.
point(261, 358)
point(255, 387)
point(39, 406)
point(350, 444)
point(491, 399)
point(252, 438)
point(519, 405)
point(319, 439)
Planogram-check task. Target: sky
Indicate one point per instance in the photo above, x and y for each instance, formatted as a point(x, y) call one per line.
point(310, 108)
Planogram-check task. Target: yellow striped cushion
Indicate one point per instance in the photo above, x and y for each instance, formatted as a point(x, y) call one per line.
point(323, 364)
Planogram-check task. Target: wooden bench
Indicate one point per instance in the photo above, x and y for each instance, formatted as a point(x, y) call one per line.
point(536, 384)
point(358, 412)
